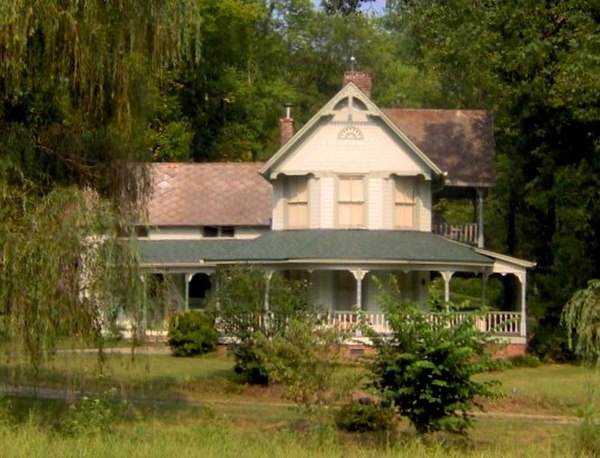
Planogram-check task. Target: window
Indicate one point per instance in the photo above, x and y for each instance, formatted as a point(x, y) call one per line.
point(404, 202)
point(218, 231)
point(351, 201)
point(296, 193)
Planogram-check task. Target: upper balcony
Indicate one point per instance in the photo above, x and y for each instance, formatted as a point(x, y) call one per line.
point(465, 233)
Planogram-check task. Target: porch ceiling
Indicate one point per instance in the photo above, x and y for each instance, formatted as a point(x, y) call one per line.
point(315, 245)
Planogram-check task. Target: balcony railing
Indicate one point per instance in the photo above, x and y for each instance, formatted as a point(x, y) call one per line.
point(465, 233)
point(496, 323)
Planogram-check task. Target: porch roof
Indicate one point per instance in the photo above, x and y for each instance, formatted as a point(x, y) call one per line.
point(317, 246)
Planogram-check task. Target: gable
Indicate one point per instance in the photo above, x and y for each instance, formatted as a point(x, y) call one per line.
point(350, 135)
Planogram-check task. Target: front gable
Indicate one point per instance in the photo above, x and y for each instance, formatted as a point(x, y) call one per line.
point(350, 135)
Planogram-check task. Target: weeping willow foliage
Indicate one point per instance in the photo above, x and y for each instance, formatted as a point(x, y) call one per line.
point(75, 79)
point(581, 317)
point(63, 273)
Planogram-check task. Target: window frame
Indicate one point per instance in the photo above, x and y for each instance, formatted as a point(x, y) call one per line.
point(296, 200)
point(401, 199)
point(351, 203)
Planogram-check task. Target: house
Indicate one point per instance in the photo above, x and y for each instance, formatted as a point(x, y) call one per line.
point(346, 198)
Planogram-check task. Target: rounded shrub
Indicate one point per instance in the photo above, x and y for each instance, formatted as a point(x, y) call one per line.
point(192, 333)
point(364, 416)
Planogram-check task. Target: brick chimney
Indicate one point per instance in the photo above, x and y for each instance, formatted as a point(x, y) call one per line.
point(286, 126)
point(362, 80)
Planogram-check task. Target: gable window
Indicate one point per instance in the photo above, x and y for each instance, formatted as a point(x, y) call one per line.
point(296, 194)
point(404, 202)
point(351, 201)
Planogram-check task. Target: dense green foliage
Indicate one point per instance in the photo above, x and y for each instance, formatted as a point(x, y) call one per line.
point(425, 368)
point(74, 84)
point(302, 357)
point(363, 417)
point(581, 317)
point(247, 313)
point(192, 333)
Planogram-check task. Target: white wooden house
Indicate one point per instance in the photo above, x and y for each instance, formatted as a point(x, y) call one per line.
point(346, 198)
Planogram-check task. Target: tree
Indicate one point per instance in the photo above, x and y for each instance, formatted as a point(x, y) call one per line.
point(424, 368)
point(581, 317)
point(74, 106)
point(524, 62)
point(343, 7)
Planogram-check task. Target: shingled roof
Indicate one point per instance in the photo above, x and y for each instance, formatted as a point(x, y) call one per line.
point(209, 194)
point(315, 245)
point(460, 142)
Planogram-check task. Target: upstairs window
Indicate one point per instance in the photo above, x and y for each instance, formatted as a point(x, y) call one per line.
point(296, 194)
point(404, 202)
point(218, 231)
point(351, 202)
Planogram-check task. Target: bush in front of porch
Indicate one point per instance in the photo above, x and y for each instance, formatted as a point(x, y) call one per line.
point(253, 304)
point(424, 368)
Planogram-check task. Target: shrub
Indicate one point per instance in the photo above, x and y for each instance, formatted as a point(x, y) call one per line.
point(192, 333)
point(243, 316)
point(526, 360)
point(302, 358)
point(363, 417)
point(424, 368)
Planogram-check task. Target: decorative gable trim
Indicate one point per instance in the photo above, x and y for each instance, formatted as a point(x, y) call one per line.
point(350, 133)
point(364, 105)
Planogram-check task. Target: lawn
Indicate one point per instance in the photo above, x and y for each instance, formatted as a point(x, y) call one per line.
point(198, 407)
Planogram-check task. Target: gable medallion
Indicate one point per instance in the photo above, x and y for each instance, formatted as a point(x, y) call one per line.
point(350, 133)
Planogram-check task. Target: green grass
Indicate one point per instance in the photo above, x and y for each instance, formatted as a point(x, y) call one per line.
point(197, 407)
point(549, 389)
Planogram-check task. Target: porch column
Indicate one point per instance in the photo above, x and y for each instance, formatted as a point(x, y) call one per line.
point(522, 277)
point(480, 238)
point(215, 281)
point(268, 275)
point(188, 279)
point(359, 274)
point(447, 276)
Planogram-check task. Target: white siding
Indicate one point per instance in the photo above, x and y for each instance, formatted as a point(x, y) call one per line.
point(327, 202)
point(387, 204)
point(195, 232)
point(377, 151)
point(314, 203)
point(278, 205)
point(375, 203)
point(424, 205)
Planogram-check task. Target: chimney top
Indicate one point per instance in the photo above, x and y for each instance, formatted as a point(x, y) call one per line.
point(361, 79)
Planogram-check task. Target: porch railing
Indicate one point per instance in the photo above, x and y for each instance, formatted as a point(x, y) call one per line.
point(465, 233)
point(496, 323)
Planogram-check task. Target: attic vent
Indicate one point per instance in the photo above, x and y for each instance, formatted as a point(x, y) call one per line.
point(350, 133)
point(341, 104)
point(359, 104)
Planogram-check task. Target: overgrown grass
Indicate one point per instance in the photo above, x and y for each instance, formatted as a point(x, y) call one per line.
point(549, 389)
point(197, 407)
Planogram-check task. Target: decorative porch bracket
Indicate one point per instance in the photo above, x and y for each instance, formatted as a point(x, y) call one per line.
point(447, 276)
point(359, 275)
point(480, 238)
point(188, 279)
point(268, 276)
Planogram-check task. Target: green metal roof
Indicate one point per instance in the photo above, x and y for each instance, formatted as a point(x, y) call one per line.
point(316, 245)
